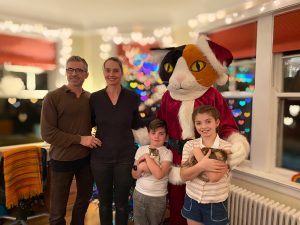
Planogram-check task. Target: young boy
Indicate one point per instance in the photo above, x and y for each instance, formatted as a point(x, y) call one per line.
point(151, 168)
point(205, 202)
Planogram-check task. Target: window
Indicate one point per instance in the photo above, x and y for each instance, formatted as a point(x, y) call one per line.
point(286, 49)
point(266, 167)
point(241, 41)
point(238, 93)
point(288, 93)
point(19, 121)
point(21, 90)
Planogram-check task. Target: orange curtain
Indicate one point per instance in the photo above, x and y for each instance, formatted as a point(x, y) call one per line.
point(287, 32)
point(26, 51)
point(241, 40)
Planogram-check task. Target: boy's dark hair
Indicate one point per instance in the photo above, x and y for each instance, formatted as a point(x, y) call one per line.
point(206, 109)
point(157, 123)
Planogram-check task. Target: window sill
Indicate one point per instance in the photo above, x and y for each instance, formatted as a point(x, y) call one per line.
point(272, 181)
point(27, 94)
point(237, 94)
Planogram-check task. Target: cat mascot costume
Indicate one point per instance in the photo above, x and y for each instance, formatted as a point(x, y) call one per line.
point(189, 72)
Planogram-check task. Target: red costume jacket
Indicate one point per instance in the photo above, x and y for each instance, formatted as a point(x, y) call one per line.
point(169, 111)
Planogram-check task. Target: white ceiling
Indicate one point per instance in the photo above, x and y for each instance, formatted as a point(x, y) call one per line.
point(94, 14)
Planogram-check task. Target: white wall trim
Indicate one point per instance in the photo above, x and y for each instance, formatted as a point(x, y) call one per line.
point(262, 108)
point(272, 181)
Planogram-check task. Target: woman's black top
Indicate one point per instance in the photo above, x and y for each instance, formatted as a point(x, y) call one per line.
point(114, 126)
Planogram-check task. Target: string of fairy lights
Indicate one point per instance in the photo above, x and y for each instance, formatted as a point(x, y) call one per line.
point(111, 36)
point(249, 9)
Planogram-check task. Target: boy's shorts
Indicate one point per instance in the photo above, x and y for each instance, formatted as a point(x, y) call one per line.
point(208, 214)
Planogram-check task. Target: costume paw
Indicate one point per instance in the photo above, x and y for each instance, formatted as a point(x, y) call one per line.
point(174, 176)
point(240, 149)
point(141, 136)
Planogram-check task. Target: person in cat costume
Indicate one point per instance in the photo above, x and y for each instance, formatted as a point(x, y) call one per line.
point(190, 71)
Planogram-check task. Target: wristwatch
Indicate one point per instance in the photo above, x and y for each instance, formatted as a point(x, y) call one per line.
point(134, 167)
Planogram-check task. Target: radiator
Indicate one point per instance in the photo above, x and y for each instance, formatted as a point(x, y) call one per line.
point(248, 208)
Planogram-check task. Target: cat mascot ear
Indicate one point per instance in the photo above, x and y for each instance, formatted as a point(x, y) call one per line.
point(159, 53)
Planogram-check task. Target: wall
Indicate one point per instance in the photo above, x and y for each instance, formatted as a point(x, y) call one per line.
point(87, 46)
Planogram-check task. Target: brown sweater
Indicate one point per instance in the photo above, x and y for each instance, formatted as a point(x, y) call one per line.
point(64, 119)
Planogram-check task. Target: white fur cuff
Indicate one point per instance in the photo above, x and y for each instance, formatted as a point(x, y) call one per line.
point(174, 176)
point(141, 136)
point(240, 149)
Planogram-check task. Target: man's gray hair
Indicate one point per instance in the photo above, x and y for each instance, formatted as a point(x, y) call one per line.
point(77, 58)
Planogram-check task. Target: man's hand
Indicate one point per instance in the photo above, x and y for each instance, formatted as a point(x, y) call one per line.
point(90, 141)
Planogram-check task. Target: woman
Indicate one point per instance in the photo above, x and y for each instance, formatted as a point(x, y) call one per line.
point(115, 113)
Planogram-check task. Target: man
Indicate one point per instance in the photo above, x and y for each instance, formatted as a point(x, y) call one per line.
point(66, 125)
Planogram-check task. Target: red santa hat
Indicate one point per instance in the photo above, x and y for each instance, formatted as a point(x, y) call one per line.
point(218, 56)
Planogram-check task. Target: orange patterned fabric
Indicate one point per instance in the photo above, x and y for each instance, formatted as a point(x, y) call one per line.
point(22, 169)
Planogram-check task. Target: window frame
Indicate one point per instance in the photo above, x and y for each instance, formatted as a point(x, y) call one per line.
point(261, 169)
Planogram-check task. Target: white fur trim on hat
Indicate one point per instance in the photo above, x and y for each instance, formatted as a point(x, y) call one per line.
point(216, 64)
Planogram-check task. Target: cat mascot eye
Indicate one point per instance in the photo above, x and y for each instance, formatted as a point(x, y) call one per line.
point(197, 66)
point(168, 68)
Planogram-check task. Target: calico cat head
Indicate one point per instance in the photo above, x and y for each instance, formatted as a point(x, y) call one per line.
point(193, 68)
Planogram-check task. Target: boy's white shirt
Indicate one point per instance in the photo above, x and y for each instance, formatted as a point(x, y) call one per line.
point(148, 184)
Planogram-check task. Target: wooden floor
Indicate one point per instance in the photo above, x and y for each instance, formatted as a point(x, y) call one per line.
point(92, 215)
point(91, 218)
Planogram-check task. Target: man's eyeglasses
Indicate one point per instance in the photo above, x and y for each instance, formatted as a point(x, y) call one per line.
point(76, 70)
